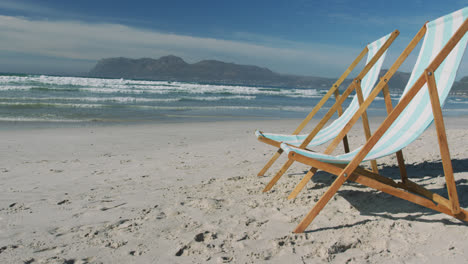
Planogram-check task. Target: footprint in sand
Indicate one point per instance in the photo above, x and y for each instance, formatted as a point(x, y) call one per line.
point(203, 243)
point(97, 172)
point(140, 251)
point(16, 207)
point(9, 247)
point(66, 201)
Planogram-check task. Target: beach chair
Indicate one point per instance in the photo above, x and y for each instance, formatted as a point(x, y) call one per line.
point(432, 77)
point(366, 78)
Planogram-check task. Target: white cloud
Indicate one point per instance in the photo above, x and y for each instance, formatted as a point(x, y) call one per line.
point(90, 41)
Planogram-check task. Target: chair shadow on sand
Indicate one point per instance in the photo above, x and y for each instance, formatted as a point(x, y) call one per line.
point(379, 204)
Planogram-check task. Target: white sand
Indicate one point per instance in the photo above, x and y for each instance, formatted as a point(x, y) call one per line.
point(188, 193)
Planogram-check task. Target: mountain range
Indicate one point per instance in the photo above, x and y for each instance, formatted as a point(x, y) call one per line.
point(173, 68)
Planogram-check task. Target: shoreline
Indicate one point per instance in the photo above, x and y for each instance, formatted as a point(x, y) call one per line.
point(188, 192)
point(451, 121)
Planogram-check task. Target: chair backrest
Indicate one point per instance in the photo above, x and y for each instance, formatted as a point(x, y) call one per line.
point(417, 116)
point(367, 84)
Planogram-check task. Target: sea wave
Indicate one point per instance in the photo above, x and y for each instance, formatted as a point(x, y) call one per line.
point(457, 101)
point(127, 99)
point(15, 87)
point(43, 97)
point(201, 90)
point(41, 119)
point(50, 105)
point(97, 85)
point(26, 105)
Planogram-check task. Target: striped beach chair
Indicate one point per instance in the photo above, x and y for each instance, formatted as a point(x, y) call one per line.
point(363, 84)
point(432, 77)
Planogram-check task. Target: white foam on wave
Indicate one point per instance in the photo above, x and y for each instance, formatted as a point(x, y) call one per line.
point(214, 108)
point(219, 98)
point(457, 101)
point(91, 99)
point(71, 105)
point(32, 104)
point(98, 85)
point(39, 119)
point(213, 89)
point(15, 87)
point(78, 81)
point(127, 99)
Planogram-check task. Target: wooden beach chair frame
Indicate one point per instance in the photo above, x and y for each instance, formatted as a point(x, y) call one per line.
point(405, 189)
point(337, 107)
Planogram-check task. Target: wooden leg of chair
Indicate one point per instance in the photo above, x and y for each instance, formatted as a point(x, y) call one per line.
point(270, 162)
point(443, 144)
point(320, 204)
point(303, 183)
point(278, 175)
point(345, 144)
point(401, 165)
point(374, 166)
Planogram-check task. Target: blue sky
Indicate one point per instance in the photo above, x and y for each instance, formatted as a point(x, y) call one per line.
point(318, 38)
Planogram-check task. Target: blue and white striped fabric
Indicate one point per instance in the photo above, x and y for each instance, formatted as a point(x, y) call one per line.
point(331, 131)
point(417, 116)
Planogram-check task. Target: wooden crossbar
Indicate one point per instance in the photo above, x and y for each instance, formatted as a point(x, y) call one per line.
point(451, 206)
point(411, 197)
point(409, 190)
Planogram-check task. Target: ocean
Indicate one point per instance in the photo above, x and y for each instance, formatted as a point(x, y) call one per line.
point(45, 98)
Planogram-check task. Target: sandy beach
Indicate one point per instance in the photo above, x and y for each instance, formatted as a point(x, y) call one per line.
point(188, 193)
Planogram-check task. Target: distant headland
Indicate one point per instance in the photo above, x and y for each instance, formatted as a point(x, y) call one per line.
point(173, 68)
